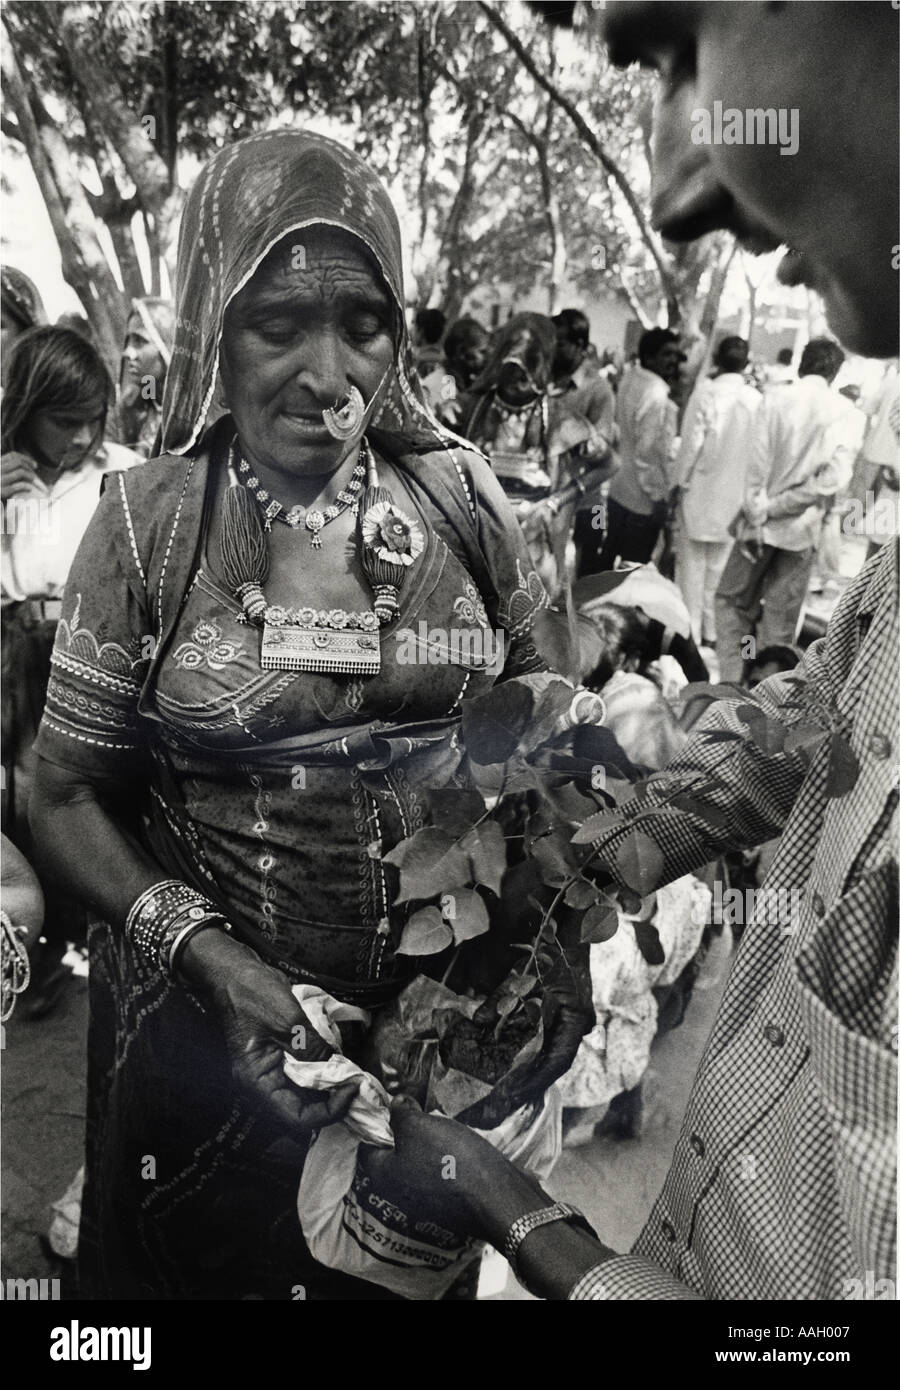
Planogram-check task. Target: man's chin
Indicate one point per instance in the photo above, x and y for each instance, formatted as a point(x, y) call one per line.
point(862, 323)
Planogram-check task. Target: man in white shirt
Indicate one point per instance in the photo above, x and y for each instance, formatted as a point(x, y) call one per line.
point(712, 461)
point(647, 418)
point(802, 454)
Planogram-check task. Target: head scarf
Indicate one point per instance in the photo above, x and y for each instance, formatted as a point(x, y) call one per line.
point(246, 199)
point(20, 298)
point(158, 319)
point(530, 340)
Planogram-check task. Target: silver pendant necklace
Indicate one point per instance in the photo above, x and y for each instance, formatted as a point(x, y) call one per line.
point(316, 518)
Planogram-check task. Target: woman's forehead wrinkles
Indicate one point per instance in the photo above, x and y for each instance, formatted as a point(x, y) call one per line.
point(332, 282)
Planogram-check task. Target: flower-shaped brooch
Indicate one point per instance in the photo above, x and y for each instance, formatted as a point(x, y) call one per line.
point(394, 537)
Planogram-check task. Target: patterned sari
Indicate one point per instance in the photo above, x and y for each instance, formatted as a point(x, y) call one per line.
point(275, 792)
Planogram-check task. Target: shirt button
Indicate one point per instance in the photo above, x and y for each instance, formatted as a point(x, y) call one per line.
point(774, 1034)
point(880, 747)
point(668, 1231)
point(698, 1145)
point(818, 905)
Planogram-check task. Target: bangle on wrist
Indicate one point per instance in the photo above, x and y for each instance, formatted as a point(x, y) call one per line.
point(176, 949)
point(160, 919)
point(16, 969)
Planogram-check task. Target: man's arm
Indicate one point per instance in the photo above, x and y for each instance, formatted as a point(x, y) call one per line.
point(656, 431)
point(732, 792)
point(759, 465)
point(831, 477)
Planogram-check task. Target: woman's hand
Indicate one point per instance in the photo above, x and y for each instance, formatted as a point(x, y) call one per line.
point(261, 1020)
point(17, 475)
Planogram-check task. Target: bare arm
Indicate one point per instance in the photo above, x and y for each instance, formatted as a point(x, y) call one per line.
point(77, 828)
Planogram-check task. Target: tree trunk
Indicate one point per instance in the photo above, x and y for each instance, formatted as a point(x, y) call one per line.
point(451, 274)
point(128, 136)
point(84, 265)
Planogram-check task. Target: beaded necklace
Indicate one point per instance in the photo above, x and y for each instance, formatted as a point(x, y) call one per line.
point(308, 639)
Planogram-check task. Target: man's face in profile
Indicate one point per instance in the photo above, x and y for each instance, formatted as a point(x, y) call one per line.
point(831, 68)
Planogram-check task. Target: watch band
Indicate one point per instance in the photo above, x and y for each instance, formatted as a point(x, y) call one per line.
point(524, 1225)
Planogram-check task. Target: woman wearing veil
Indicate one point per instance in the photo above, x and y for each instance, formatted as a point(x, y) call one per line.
point(230, 744)
point(531, 439)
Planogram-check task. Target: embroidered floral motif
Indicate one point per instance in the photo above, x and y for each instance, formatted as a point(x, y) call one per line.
point(517, 615)
point(206, 649)
point(470, 607)
point(109, 658)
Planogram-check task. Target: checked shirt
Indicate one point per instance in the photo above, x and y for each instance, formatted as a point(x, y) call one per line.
point(782, 1184)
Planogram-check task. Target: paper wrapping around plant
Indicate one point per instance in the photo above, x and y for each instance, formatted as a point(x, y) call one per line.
point(369, 1116)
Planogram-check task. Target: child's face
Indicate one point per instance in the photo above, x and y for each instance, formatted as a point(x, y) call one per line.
point(61, 439)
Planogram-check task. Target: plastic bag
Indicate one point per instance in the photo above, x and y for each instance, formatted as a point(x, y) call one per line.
point(346, 1223)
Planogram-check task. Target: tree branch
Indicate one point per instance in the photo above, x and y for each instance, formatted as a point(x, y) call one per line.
point(590, 138)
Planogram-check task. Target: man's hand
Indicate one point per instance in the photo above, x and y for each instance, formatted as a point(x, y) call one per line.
point(440, 1170)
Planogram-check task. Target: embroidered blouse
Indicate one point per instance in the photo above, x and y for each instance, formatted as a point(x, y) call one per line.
point(277, 792)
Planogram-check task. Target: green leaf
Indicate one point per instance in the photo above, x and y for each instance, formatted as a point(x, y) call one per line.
point(722, 736)
point(598, 826)
point(518, 985)
point(600, 922)
point(470, 916)
point(425, 934)
point(580, 894)
point(805, 739)
point(552, 636)
point(493, 724)
point(768, 734)
point(649, 944)
point(486, 849)
point(640, 863)
point(843, 768)
point(429, 864)
point(553, 867)
point(455, 809)
point(714, 817)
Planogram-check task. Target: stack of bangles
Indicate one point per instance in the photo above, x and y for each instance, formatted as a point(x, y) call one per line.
point(16, 971)
point(163, 919)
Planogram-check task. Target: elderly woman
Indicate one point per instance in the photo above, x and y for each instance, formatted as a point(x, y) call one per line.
point(231, 745)
point(530, 437)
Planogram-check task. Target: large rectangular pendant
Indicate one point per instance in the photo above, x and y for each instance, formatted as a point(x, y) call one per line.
point(347, 651)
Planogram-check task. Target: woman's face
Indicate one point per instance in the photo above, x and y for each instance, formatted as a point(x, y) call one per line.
point(314, 320)
point(61, 439)
point(140, 361)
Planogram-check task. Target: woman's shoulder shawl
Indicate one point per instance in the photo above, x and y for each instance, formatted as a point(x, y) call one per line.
point(161, 511)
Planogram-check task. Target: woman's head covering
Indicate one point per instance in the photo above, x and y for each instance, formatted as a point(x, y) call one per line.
point(158, 318)
point(20, 299)
point(246, 199)
point(530, 340)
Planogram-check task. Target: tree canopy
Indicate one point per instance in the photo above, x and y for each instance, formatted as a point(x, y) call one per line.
point(519, 152)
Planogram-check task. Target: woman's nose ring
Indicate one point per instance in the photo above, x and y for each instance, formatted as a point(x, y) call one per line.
point(345, 418)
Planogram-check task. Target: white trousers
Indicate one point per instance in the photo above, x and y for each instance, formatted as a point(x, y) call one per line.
point(698, 568)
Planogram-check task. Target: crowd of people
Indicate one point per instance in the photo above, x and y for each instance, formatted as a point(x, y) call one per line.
point(205, 566)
